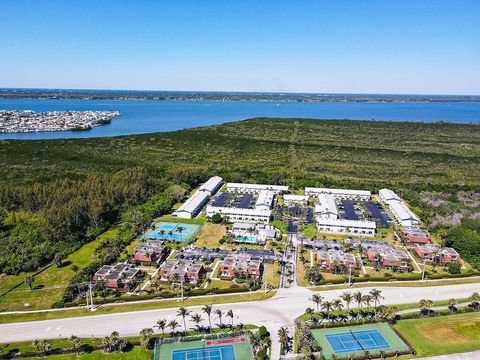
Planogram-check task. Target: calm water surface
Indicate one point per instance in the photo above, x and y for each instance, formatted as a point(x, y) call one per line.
point(153, 116)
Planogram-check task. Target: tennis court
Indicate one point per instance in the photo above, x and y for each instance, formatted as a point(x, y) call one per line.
point(355, 340)
point(205, 353)
point(167, 231)
point(218, 349)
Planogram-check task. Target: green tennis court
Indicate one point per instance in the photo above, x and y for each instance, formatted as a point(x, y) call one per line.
point(346, 340)
point(238, 348)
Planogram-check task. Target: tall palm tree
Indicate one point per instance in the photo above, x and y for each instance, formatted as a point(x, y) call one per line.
point(327, 306)
point(310, 313)
point(183, 312)
point(161, 325)
point(180, 230)
point(219, 314)
point(358, 297)
point(451, 305)
point(337, 304)
point(367, 299)
point(376, 296)
point(347, 299)
point(231, 316)
point(197, 319)
point(145, 336)
point(426, 305)
point(317, 300)
point(207, 309)
point(283, 337)
point(474, 300)
point(76, 344)
point(173, 324)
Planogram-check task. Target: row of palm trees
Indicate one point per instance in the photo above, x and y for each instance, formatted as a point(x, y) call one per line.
point(196, 318)
point(373, 297)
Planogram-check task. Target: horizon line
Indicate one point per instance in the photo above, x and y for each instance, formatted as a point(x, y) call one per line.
point(242, 92)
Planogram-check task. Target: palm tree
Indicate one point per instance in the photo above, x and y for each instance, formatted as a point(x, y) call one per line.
point(376, 296)
point(317, 300)
point(76, 344)
point(173, 324)
point(180, 229)
point(426, 305)
point(310, 313)
point(451, 305)
point(358, 297)
point(219, 314)
point(327, 306)
point(347, 299)
point(207, 309)
point(145, 336)
point(161, 325)
point(337, 304)
point(283, 337)
point(474, 300)
point(367, 299)
point(29, 280)
point(183, 312)
point(231, 316)
point(197, 319)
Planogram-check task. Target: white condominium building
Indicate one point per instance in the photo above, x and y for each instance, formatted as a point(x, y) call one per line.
point(212, 185)
point(399, 208)
point(346, 227)
point(192, 207)
point(326, 207)
point(343, 194)
point(241, 215)
point(254, 188)
point(292, 200)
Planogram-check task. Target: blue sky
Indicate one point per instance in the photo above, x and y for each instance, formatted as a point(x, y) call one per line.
point(362, 46)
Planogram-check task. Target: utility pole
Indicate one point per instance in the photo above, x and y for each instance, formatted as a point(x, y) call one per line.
point(181, 287)
point(90, 294)
point(350, 274)
point(87, 298)
point(423, 272)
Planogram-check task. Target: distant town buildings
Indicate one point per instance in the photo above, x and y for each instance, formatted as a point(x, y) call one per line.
point(16, 121)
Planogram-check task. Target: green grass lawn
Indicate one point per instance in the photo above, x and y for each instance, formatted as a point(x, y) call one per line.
point(50, 284)
point(169, 218)
point(442, 335)
point(233, 298)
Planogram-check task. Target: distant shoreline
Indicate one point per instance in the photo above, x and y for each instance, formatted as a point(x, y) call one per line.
point(66, 94)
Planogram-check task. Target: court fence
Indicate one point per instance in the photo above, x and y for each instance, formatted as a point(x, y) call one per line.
point(188, 338)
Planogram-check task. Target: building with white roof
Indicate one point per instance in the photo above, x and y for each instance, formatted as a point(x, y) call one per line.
point(192, 207)
point(326, 207)
point(403, 214)
point(387, 195)
point(212, 185)
point(264, 200)
point(292, 200)
point(241, 215)
point(342, 194)
point(255, 188)
point(399, 208)
point(346, 227)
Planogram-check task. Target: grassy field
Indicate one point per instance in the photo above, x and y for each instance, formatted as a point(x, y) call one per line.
point(49, 284)
point(210, 235)
point(194, 301)
point(442, 335)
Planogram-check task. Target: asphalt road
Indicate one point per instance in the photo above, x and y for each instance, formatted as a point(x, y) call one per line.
point(278, 311)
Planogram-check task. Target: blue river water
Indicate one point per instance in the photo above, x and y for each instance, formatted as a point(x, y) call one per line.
point(146, 116)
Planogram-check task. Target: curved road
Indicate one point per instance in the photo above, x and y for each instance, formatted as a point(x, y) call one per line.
point(274, 313)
